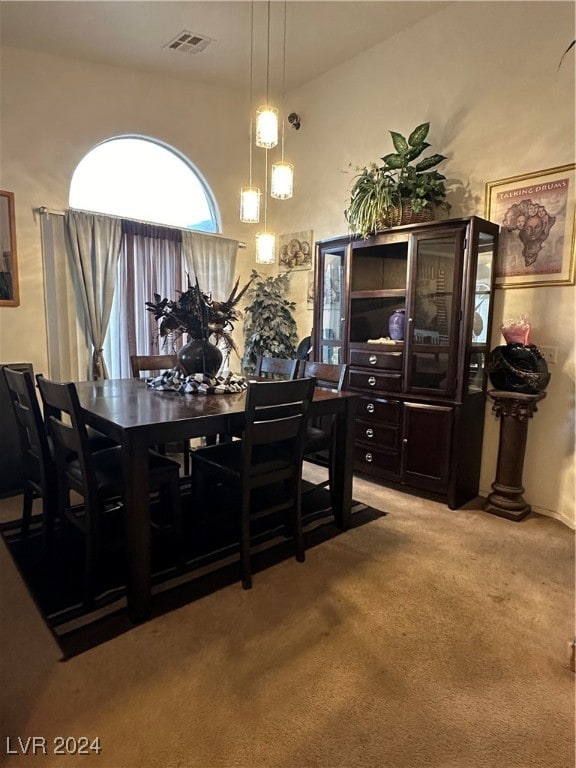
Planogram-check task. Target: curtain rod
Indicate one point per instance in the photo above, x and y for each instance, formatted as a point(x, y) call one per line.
point(42, 210)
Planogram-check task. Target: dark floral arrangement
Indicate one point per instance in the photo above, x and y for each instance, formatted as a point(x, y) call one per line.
point(196, 314)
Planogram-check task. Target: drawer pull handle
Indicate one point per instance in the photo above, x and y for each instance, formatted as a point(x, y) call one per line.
point(369, 458)
point(372, 381)
point(369, 432)
point(370, 408)
point(372, 359)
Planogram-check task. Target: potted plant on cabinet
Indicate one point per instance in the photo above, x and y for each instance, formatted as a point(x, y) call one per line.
point(269, 325)
point(398, 191)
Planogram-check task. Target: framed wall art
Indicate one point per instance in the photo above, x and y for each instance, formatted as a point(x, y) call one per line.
point(9, 293)
point(536, 217)
point(296, 251)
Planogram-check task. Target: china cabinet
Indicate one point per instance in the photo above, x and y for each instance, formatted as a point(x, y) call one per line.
point(421, 414)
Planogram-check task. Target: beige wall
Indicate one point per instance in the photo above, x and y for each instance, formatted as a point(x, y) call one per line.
point(485, 76)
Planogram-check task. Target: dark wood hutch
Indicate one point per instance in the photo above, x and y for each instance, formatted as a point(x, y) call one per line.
point(420, 419)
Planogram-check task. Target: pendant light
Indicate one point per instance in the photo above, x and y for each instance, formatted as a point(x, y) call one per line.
point(267, 116)
point(250, 196)
point(265, 241)
point(282, 176)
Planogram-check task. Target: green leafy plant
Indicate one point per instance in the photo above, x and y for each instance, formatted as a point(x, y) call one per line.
point(380, 192)
point(269, 325)
point(195, 313)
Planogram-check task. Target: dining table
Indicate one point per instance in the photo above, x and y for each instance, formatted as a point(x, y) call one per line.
point(139, 417)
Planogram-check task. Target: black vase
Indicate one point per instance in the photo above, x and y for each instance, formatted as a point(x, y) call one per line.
point(518, 368)
point(200, 356)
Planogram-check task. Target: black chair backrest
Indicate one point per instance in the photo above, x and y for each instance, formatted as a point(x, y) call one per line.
point(152, 363)
point(69, 438)
point(34, 443)
point(276, 416)
point(277, 366)
point(328, 375)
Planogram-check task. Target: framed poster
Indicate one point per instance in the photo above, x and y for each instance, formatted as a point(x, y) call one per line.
point(536, 217)
point(296, 251)
point(9, 294)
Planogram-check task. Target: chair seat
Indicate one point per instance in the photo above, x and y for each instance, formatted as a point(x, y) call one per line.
point(107, 466)
point(317, 440)
point(97, 441)
point(227, 458)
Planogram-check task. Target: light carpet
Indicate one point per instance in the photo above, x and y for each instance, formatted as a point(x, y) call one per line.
point(428, 638)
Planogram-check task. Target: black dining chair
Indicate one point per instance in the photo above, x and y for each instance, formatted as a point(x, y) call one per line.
point(319, 445)
point(153, 365)
point(276, 367)
point(269, 452)
point(97, 478)
point(39, 469)
point(37, 450)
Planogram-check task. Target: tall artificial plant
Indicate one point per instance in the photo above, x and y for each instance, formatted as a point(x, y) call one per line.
point(269, 325)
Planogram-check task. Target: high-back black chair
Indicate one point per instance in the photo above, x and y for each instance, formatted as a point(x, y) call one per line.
point(96, 476)
point(270, 451)
point(319, 445)
point(154, 364)
point(38, 462)
point(277, 366)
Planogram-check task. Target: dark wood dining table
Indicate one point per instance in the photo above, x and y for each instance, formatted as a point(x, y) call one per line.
point(138, 417)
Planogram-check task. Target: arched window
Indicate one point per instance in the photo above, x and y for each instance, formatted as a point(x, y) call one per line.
point(141, 178)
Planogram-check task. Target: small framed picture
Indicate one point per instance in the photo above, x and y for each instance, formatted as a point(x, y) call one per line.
point(9, 292)
point(536, 217)
point(296, 251)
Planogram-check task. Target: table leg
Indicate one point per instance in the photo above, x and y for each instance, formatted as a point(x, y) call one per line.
point(135, 467)
point(344, 462)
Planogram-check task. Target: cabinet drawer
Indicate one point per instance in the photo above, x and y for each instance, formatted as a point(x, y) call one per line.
point(376, 462)
point(388, 361)
point(378, 435)
point(386, 411)
point(385, 382)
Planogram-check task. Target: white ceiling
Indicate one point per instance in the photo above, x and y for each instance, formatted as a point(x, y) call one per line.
point(134, 33)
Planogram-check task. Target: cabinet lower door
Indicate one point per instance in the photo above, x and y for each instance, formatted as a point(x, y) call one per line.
point(426, 446)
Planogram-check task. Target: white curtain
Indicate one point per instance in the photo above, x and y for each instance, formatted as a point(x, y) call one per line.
point(93, 244)
point(148, 264)
point(212, 260)
point(67, 342)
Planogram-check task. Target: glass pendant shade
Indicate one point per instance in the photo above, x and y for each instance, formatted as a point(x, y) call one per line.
point(266, 127)
point(265, 248)
point(250, 205)
point(282, 183)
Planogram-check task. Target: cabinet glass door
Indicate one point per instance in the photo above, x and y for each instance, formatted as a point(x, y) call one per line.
point(331, 307)
point(434, 312)
point(482, 298)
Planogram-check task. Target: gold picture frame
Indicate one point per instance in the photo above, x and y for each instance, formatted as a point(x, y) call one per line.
point(9, 288)
point(535, 213)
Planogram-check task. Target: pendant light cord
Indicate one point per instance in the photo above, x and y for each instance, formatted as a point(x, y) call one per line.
point(268, 56)
point(266, 193)
point(283, 78)
point(251, 86)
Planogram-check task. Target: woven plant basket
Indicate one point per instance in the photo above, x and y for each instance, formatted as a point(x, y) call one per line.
point(404, 214)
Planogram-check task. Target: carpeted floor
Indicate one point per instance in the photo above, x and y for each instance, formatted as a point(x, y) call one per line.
point(427, 638)
point(209, 560)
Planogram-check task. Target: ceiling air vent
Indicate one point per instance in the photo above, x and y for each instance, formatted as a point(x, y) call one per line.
point(188, 42)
